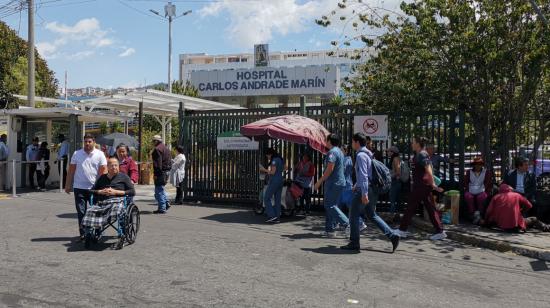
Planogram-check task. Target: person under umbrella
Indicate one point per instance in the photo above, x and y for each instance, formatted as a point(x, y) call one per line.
point(274, 186)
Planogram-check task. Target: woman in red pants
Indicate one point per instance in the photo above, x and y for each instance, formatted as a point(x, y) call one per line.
point(477, 187)
point(422, 187)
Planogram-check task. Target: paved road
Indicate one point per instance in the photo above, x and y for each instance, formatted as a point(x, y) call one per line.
point(212, 257)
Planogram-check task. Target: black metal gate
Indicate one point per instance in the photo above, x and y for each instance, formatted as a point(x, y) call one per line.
point(233, 176)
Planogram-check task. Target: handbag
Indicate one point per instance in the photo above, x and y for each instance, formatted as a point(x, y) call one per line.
point(296, 191)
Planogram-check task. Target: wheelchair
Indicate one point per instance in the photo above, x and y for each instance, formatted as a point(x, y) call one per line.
point(131, 225)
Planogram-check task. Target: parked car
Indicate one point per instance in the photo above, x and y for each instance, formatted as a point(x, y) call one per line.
point(542, 161)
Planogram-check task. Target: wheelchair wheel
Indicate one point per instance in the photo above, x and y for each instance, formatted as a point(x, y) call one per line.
point(132, 224)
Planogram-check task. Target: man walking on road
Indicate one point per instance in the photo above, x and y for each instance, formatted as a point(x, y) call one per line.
point(162, 163)
point(4, 154)
point(422, 187)
point(335, 183)
point(365, 195)
point(87, 165)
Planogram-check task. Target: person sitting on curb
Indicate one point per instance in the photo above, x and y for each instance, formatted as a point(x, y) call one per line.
point(477, 188)
point(521, 180)
point(505, 212)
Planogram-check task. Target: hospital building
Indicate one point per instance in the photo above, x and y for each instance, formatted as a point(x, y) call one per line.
point(264, 79)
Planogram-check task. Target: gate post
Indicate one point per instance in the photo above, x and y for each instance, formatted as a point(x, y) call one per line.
point(303, 112)
point(181, 113)
point(461, 142)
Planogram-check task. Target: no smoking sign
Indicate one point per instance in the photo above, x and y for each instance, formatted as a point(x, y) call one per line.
point(370, 126)
point(374, 126)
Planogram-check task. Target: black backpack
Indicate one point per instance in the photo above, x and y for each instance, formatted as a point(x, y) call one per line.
point(381, 176)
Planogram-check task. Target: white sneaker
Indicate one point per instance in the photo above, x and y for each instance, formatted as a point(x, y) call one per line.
point(477, 218)
point(439, 236)
point(346, 231)
point(363, 227)
point(401, 234)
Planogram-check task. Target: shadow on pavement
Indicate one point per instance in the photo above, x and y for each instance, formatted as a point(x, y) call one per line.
point(74, 244)
point(301, 236)
point(68, 215)
point(539, 266)
point(246, 217)
point(330, 250)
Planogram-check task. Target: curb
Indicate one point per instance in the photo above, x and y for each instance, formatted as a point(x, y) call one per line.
point(483, 242)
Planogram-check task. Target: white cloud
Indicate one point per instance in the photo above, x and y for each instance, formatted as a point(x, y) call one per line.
point(47, 50)
point(252, 22)
point(127, 52)
point(258, 21)
point(75, 42)
point(80, 55)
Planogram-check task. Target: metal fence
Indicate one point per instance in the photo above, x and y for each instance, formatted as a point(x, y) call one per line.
point(233, 176)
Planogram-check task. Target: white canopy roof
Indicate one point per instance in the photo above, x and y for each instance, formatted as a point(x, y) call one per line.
point(154, 102)
point(57, 112)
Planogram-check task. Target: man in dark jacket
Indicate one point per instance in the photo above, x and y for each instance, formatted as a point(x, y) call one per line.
point(162, 163)
point(522, 181)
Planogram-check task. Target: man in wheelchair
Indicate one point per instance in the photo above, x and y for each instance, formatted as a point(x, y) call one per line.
point(108, 203)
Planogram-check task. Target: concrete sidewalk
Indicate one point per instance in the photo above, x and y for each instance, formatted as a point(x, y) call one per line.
point(534, 244)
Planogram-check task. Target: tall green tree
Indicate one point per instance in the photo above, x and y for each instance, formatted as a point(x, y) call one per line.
point(484, 57)
point(14, 70)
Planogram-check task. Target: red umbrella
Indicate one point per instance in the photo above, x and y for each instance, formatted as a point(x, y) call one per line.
point(292, 128)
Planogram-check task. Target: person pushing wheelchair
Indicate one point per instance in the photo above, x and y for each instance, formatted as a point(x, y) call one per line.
point(109, 194)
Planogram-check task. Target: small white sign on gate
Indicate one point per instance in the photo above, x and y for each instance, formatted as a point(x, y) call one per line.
point(374, 126)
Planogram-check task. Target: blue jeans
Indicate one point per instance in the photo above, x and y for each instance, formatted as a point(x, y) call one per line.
point(370, 211)
point(161, 197)
point(333, 214)
point(395, 192)
point(82, 198)
point(345, 204)
point(273, 190)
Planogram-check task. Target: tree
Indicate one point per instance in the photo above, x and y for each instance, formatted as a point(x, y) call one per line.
point(484, 57)
point(150, 123)
point(14, 69)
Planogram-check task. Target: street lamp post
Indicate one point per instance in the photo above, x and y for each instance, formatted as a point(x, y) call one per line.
point(170, 15)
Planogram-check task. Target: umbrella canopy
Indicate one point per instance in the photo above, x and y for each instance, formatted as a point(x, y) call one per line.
point(115, 139)
point(292, 128)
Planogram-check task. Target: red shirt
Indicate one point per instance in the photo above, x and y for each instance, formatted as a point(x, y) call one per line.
point(505, 209)
point(129, 167)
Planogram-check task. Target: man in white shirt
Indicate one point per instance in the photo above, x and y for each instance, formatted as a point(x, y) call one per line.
point(62, 157)
point(4, 153)
point(32, 155)
point(87, 165)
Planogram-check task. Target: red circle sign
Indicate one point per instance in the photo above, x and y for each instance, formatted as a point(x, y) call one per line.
point(370, 126)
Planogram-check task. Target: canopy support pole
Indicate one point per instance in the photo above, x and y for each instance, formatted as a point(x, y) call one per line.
point(140, 127)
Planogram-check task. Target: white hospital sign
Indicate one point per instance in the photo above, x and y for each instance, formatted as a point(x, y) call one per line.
point(321, 79)
point(374, 126)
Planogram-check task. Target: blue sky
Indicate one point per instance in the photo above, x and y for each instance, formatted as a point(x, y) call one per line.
point(111, 43)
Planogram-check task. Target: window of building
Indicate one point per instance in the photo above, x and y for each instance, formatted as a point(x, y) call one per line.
point(233, 59)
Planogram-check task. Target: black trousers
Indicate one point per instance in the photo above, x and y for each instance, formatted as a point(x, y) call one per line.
point(32, 171)
point(179, 193)
point(42, 176)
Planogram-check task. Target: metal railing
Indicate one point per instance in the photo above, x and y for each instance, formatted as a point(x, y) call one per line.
point(14, 163)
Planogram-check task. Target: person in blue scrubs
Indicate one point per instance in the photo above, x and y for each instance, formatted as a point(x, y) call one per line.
point(274, 186)
point(365, 196)
point(347, 195)
point(335, 182)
